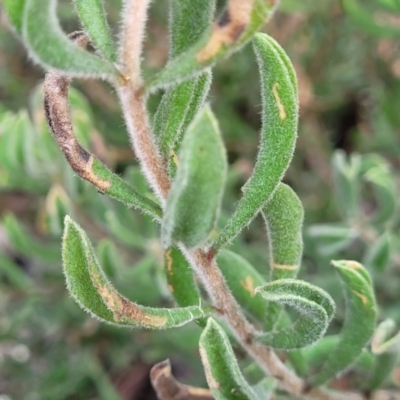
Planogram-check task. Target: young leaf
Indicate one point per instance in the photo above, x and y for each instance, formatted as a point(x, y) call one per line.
point(278, 136)
point(93, 18)
point(94, 293)
point(315, 306)
point(50, 47)
point(284, 216)
point(177, 110)
point(224, 377)
point(359, 323)
point(15, 10)
point(180, 104)
point(236, 26)
point(195, 197)
point(242, 279)
point(180, 278)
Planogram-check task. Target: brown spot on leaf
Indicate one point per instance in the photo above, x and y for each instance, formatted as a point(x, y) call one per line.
point(248, 285)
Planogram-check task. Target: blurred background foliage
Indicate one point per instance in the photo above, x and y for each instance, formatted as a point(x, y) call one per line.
point(345, 170)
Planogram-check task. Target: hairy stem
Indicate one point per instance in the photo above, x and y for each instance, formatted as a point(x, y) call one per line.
point(203, 262)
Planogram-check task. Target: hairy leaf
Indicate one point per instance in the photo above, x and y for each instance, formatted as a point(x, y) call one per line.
point(93, 18)
point(315, 306)
point(180, 278)
point(242, 279)
point(15, 10)
point(94, 293)
point(180, 104)
point(215, 45)
point(194, 200)
point(359, 323)
point(224, 377)
point(284, 216)
point(50, 47)
point(278, 136)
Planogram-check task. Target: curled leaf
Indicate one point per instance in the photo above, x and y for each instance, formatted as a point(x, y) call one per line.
point(81, 161)
point(50, 47)
point(278, 136)
point(359, 322)
point(224, 377)
point(315, 307)
point(89, 286)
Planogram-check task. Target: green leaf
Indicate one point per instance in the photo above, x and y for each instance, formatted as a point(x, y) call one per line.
point(180, 104)
point(346, 175)
point(284, 217)
point(329, 239)
point(123, 192)
point(14, 10)
point(94, 293)
point(278, 136)
point(368, 21)
point(109, 258)
point(177, 110)
point(58, 205)
point(242, 279)
point(265, 388)
point(180, 278)
point(224, 377)
point(210, 48)
point(93, 18)
point(194, 200)
point(387, 350)
point(359, 323)
point(377, 255)
point(51, 48)
point(315, 307)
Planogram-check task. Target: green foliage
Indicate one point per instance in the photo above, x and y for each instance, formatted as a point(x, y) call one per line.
point(222, 371)
point(199, 210)
point(278, 136)
point(93, 18)
point(195, 197)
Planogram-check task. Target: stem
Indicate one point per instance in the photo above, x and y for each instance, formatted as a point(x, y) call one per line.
point(203, 263)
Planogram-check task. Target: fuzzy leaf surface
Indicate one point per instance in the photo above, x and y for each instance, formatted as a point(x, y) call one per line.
point(204, 54)
point(194, 200)
point(359, 323)
point(224, 377)
point(50, 47)
point(284, 217)
point(242, 279)
point(180, 104)
point(278, 135)
point(93, 18)
point(315, 307)
point(15, 10)
point(89, 286)
point(180, 278)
